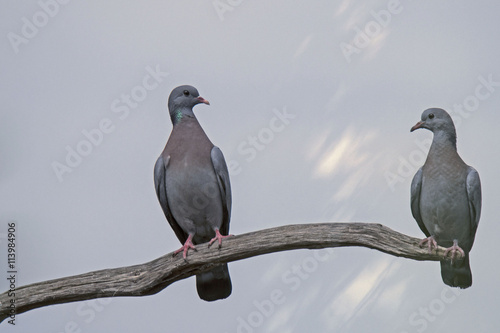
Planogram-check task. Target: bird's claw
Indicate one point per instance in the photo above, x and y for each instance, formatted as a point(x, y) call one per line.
point(218, 237)
point(184, 249)
point(431, 242)
point(453, 250)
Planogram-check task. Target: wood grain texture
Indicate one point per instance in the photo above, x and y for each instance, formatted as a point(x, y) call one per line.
point(151, 277)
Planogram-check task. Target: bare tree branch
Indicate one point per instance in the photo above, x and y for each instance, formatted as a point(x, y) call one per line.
point(151, 277)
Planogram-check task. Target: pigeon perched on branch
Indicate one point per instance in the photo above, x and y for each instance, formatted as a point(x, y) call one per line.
point(446, 199)
point(192, 185)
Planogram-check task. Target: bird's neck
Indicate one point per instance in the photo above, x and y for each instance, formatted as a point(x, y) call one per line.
point(181, 114)
point(444, 140)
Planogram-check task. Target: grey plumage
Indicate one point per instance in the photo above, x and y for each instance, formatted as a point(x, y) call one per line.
point(193, 188)
point(446, 198)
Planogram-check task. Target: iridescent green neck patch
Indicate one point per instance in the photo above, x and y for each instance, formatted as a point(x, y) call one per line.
point(178, 116)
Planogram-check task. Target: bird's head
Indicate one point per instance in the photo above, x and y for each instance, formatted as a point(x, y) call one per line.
point(185, 96)
point(181, 101)
point(435, 119)
point(440, 123)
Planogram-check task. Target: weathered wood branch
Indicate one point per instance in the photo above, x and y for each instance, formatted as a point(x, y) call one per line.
point(154, 276)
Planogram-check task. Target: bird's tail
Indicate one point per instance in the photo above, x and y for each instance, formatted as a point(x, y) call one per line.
point(214, 284)
point(457, 274)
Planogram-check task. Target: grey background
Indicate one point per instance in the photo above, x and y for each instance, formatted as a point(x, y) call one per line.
point(331, 162)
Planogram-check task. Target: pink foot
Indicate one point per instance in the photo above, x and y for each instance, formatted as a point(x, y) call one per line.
point(431, 242)
point(218, 237)
point(454, 249)
point(187, 245)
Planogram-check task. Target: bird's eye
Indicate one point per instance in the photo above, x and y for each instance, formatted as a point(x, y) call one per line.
point(431, 115)
point(186, 93)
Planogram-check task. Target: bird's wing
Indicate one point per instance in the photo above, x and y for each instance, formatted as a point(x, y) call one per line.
point(160, 177)
point(474, 196)
point(222, 174)
point(416, 185)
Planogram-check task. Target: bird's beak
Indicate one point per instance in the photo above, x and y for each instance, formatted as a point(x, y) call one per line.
point(202, 100)
point(417, 126)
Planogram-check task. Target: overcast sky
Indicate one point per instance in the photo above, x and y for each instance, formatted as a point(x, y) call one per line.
point(311, 104)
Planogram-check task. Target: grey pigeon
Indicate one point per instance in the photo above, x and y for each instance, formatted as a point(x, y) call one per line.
point(446, 199)
point(192, 185)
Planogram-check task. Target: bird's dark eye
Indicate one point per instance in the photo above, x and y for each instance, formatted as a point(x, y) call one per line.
point(431, 115)
point(186, 93)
